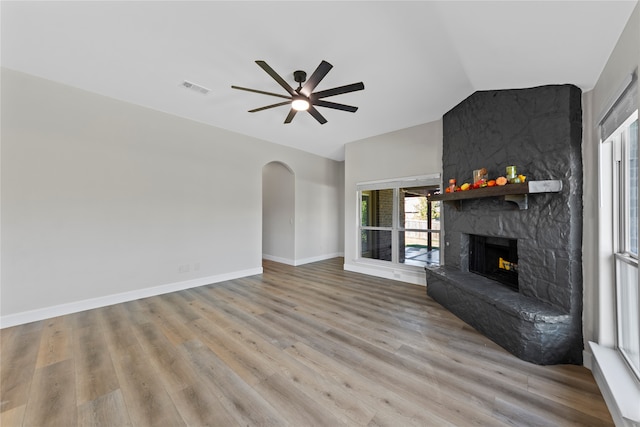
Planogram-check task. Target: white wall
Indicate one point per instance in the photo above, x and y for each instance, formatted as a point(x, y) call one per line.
point(278, 213)
point(408, 152)
point(318, 211)
point(104, 199)
point(598, 296)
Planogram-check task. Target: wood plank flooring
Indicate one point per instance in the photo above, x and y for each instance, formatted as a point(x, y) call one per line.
point(296, 346)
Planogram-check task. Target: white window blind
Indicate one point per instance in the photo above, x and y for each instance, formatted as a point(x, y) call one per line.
point(625, 104)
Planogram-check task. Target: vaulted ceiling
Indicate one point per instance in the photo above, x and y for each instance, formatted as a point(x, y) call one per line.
point(417, 59)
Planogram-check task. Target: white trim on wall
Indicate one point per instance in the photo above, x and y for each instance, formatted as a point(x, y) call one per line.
point(615, 381)
point(302, 261)
point(414, 181)
point(281, 260)
point(89, 304)
point(317, 258)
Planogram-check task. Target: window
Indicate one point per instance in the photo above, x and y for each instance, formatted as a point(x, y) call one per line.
point(377, 224)
point(619, 135)
point(625, 146)
point(398, 224)
point(419, 231)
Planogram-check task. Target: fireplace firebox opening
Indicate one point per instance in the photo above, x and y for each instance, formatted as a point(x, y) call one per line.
point(495, 258)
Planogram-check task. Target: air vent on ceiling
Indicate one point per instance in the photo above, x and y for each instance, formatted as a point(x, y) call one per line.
point(197, 88)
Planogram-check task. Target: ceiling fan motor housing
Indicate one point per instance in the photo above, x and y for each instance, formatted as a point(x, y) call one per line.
point(299, 76)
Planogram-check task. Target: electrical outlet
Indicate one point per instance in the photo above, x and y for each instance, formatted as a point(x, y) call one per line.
point(183, 268)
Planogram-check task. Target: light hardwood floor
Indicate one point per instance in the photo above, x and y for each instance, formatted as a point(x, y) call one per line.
point(296, 346)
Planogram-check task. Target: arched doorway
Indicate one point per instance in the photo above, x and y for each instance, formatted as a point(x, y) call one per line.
point(278, 213)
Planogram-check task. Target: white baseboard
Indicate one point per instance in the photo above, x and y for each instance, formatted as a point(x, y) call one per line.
point(302, 261)
point(318, 258)
point(416, 277)
point(617, 384)
point(281, 260)
point(88, 304)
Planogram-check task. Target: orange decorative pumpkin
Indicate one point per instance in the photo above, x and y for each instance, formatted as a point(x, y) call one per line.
point(501, 180)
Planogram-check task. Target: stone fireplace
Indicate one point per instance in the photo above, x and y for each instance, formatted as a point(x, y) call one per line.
point(537, 314)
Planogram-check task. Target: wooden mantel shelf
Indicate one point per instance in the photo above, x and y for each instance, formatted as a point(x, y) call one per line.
point(516, 193)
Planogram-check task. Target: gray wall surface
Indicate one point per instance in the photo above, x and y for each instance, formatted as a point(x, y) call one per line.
point(101, 197)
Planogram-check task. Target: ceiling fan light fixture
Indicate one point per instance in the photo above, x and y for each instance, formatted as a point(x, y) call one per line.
point(300, 103)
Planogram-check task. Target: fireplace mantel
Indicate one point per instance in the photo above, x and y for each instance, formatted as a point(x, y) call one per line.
point(516, 193)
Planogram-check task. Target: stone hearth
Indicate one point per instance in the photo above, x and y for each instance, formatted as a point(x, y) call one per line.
point(540, 131)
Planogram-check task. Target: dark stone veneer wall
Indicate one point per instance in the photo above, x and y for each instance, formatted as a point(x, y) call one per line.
point(540, 131)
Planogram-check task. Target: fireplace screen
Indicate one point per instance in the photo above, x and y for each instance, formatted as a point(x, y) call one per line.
point(495, 258)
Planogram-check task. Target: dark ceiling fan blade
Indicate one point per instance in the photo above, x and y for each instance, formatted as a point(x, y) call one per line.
point(290, 116)
point(276, 77)
point(338, 90)
point(279, 104)
point(316, 114)
point(336, 106)
point(261, 91)
point(315, 78)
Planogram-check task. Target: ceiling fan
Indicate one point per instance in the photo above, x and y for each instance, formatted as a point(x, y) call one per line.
point(303, 98)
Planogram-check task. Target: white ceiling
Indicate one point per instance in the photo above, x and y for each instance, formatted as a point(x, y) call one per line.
point(417, 59)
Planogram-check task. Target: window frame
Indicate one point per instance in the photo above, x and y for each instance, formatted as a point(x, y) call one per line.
point(396, 227)
point(622, 255)
point(622, 177)
point(402, 229)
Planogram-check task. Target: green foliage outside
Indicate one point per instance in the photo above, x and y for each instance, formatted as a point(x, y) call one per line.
point(423, 209)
